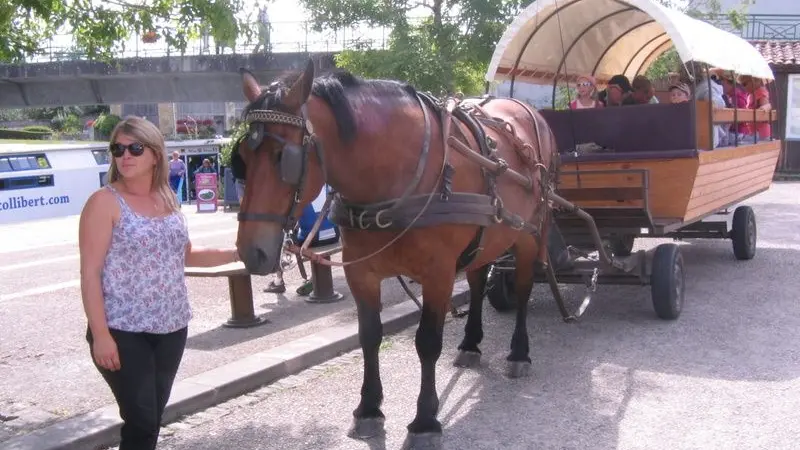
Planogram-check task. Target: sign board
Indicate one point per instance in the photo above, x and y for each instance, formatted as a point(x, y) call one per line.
point(793, 108)
point(205, 185)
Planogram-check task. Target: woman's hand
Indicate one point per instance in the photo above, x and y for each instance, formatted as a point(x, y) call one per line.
point(105, 353)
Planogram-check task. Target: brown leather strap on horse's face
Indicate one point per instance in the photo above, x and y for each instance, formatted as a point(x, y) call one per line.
point(294, 158)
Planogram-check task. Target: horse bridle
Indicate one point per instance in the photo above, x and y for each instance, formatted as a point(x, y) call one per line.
point(293, 159)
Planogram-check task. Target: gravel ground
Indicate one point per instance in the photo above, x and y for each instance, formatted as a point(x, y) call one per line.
point(723, 376)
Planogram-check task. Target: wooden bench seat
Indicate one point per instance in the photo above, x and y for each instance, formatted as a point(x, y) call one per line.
point(240, 290)
point(240, 286)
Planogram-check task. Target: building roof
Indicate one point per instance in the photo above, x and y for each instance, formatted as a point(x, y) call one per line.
point(779, 53)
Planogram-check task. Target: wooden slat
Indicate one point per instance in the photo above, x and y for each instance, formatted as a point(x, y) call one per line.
point(730, 197)
point(759, 173)
point(739, 163)
point(603, 193)
point(593, 180)
point(225, 270)
point(725, 153)
point(726, 115)
point(670, 183)
point(729, 175)
point(706, 179)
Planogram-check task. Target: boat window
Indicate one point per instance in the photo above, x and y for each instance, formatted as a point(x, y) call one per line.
point(12, 184)
point(101, 157)
point(24, 162)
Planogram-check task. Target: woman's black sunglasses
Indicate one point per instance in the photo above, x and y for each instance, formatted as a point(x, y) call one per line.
point(135, 149)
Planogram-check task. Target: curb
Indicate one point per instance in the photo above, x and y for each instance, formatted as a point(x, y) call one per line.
point(100, 428)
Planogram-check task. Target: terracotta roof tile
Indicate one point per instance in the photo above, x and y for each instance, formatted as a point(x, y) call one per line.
point(779, 53)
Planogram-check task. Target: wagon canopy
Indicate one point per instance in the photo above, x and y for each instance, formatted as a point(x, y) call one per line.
point(608, 37)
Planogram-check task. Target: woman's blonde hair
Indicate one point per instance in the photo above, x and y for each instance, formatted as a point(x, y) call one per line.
point(144, 132)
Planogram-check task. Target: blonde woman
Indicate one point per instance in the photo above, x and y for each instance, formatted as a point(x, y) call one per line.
point(134, 244)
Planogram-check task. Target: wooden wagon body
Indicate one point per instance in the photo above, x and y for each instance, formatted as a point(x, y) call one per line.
point(636, 171)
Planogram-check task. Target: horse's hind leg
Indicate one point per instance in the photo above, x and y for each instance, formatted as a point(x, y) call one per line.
point(469, 354)
point(525, 255)
point(426, 431)
point(368, 417)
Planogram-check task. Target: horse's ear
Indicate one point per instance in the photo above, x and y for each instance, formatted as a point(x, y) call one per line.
point(301, 88)
point(250, 85)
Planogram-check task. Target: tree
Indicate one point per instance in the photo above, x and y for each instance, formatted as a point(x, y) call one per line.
point(707, 10)
point(98, 26)
point(447, 51)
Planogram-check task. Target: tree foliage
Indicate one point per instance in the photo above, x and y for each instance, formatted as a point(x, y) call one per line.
point(447, 51)
point(98, 26)
point(708, 10)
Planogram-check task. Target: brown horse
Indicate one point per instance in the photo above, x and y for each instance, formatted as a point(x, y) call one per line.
point(413, 197)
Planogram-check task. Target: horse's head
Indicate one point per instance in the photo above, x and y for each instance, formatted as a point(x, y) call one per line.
point(281, 165)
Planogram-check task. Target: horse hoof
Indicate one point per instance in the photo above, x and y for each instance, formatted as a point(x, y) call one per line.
point(423, 441)
point(467, 359)
point(518, 369)
point(367, 427)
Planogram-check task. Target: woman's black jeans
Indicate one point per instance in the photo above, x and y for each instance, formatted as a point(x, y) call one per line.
point(143, 383)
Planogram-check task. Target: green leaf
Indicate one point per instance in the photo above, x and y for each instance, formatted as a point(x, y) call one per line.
point(98, 28)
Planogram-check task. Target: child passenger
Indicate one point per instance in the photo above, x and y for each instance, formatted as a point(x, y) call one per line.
point(679, 93)
point(586, 91)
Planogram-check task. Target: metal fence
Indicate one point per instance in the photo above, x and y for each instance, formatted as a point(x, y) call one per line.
point(779, 27)
point(281, 37)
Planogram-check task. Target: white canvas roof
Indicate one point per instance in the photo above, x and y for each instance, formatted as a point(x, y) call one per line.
point(608, 37)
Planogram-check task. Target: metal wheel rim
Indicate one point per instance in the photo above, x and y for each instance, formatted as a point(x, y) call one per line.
point(751, 232)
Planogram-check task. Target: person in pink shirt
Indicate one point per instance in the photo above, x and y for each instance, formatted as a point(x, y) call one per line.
point(586, 91)
point(760, 100)
point(736, 97)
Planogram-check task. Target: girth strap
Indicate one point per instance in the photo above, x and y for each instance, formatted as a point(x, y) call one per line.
point(459, 208)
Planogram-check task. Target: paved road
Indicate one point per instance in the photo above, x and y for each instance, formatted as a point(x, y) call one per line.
point(724, 376)
point(46, 374)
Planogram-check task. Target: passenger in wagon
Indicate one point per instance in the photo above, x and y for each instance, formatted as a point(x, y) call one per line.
point(735, 97)
point(679, 92)
point(642, 92)
point(586, 91)
point(708, 90)
point(760, 100)
point(616, 92)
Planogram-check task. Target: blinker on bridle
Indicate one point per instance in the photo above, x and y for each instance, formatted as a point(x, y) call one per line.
point(293, 159)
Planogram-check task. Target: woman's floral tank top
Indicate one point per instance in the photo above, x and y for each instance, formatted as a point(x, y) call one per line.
point(144, 287)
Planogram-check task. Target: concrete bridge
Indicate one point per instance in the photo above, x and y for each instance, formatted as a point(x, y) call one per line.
point(197, 78)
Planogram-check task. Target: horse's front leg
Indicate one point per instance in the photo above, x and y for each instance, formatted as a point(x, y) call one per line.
point(469, 354)
point(366, 289)
point(525, 255)
point(426, 431)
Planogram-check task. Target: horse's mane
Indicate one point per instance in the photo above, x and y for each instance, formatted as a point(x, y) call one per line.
point(334, 89)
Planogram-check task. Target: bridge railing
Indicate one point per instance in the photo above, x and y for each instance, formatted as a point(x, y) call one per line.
point(281, 37)
point(779, 27)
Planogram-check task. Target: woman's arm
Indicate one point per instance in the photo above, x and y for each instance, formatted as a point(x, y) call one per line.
point(209, 257)
point(94, 240)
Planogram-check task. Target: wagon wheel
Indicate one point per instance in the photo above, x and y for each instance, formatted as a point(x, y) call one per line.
point(622, 245)
point(500, 289)
point(667, 282)
point(744, 233)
